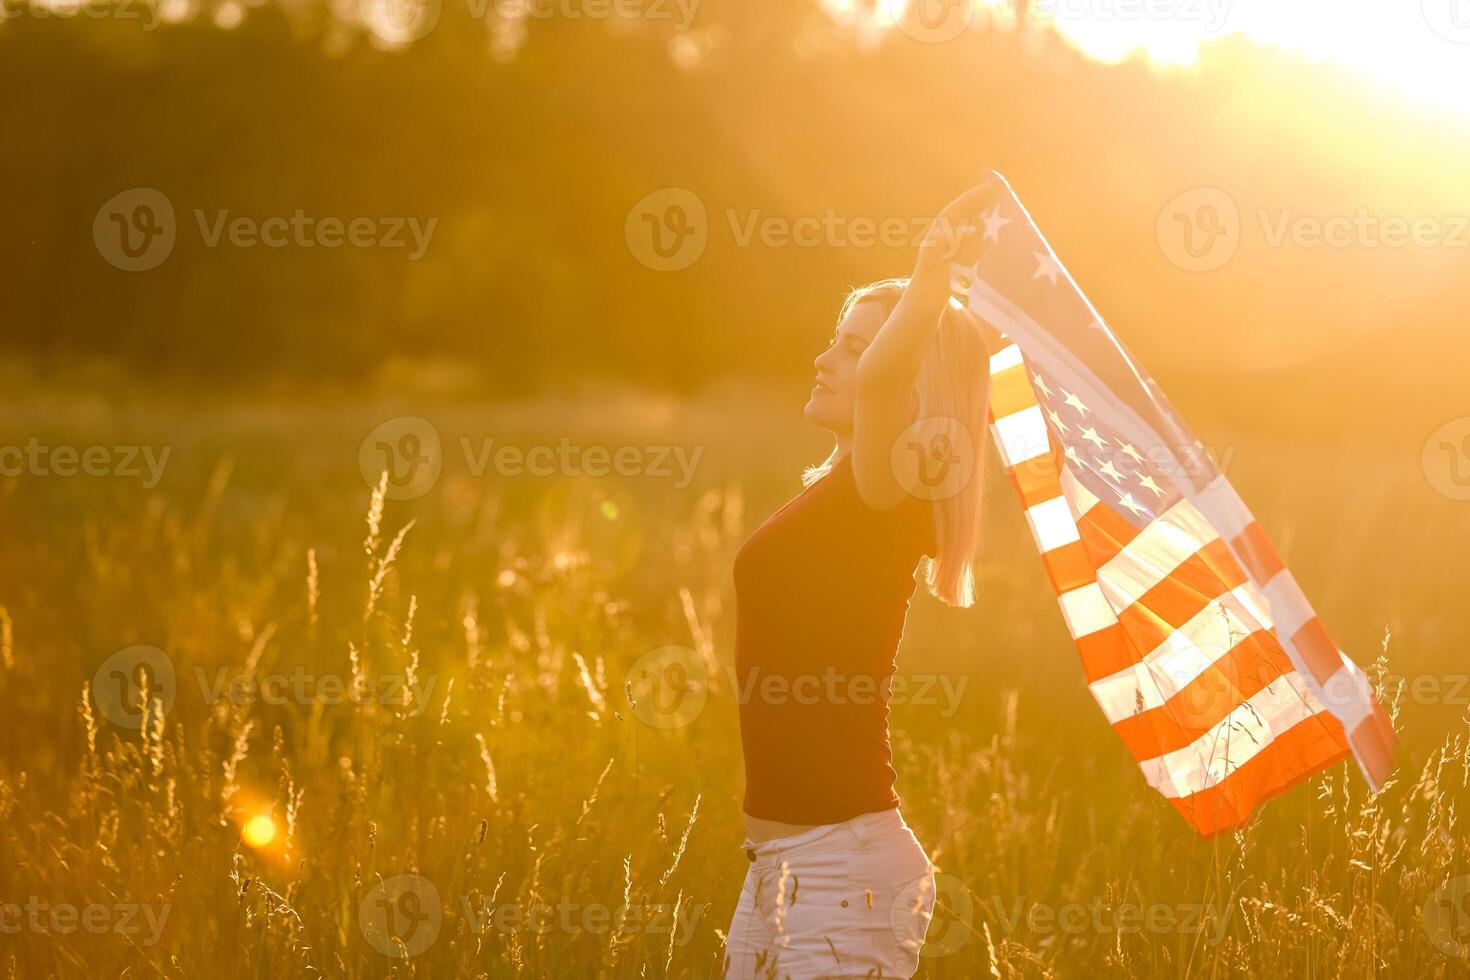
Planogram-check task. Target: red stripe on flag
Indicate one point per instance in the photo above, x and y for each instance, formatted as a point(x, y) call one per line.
point(1011, 392)
point(1316, 649)
point(1257, 553)
point(1105, 652)
point(1240, 673)
point(1301, 751)
point(1198, 580)
point(1373, 741)
point(1068, 567)
point(1036, 480)
point(1105, 532)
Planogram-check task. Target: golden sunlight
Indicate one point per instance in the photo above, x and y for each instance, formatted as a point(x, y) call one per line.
point(259, 831)
point(1421, 46)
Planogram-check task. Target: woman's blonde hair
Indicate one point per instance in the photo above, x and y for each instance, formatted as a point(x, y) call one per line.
point(952, 386)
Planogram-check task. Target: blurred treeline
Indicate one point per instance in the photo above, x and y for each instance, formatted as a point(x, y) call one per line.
point(530, 153)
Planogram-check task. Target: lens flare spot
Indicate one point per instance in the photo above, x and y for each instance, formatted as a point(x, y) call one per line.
point(259, 831)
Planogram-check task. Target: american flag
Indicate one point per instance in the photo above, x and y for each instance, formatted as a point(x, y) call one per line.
point(1199, 646)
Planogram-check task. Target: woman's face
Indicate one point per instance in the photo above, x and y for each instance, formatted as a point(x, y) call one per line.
point(834, 394)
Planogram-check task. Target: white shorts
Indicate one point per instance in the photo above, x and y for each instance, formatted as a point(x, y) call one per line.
point(847, 899)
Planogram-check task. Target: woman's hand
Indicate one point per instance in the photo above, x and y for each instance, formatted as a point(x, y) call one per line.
point(951, 237)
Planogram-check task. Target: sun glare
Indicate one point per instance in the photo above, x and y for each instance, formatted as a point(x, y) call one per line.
point(1421, 46)
point(259, 831)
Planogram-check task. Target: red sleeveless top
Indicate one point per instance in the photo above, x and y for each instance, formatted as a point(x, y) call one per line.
point(822, 589)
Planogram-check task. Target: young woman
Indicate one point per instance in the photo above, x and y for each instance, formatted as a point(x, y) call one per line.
point(837, 884)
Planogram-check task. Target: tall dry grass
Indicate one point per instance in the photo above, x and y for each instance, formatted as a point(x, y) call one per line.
point(519, 775)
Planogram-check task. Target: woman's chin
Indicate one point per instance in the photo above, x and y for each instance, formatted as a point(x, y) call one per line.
point(820, 415)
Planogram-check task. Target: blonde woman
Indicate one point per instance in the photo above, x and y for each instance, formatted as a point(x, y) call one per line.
point(837, 884)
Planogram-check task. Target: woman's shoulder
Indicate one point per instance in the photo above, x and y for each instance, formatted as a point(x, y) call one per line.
point(912, 516)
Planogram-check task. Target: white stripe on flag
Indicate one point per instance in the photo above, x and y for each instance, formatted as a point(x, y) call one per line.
point(1006, 357)
point(1021, 436)
point(1223, 506)
point(1052, 524)
point(1163, 545)
point(1185, 654)
point(1239, 737)
point(1081, 498)
point(1289, 606)
point(1085, 610)
point(1348, 693)
point(1254, 604)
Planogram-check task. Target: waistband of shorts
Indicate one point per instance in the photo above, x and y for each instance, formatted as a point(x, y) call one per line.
point(863, 827)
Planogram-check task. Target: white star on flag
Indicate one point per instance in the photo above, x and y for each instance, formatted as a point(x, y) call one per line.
point(993, 224)
point(1046, 266)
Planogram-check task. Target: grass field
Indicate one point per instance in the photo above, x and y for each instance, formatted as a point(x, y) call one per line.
point(270, 806)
